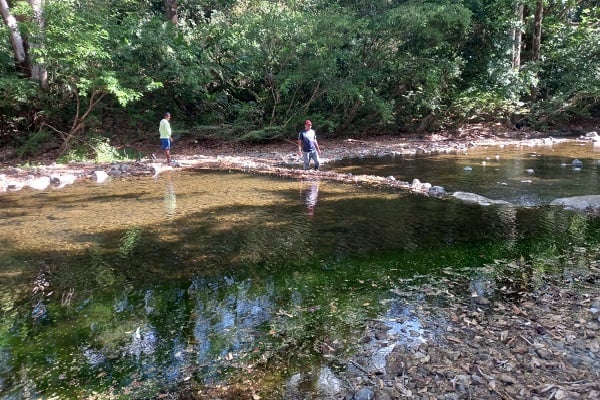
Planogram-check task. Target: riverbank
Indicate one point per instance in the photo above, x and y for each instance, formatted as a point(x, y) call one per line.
point(275, 158)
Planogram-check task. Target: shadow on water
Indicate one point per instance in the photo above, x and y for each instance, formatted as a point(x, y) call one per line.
point(138, 286)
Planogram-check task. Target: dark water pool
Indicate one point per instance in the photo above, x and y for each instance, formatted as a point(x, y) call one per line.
point(138, 286)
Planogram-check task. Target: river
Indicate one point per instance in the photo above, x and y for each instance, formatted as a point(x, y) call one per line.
point(136, 286)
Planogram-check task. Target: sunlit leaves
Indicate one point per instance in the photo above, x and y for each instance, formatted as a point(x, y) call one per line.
point(86, 52)
point(261, 66)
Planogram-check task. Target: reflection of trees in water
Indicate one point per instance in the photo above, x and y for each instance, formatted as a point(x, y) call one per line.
point(555, 242)
point(225, 317)
point(163, 333)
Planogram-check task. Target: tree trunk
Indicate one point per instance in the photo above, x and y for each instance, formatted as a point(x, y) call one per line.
point(537, 39)
point(171, 11)
point(537, 30)
point(517, 35)
point(15, 36)
point(38, 71)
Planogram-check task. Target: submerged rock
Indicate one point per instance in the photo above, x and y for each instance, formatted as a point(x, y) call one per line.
point(364, 394)
point(476, 198)
point(579, 203)
point(322, 385)
point(437, 191)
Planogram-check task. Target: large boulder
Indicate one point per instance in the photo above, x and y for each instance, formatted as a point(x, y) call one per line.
point(590, 203)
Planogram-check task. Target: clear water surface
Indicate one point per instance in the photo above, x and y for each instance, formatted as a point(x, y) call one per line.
point(136, 286)
point(520, 174)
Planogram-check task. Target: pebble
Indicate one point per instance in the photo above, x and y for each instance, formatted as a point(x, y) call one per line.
point(364, 394)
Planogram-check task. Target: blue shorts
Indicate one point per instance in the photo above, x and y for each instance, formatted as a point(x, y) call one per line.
point(165, 144)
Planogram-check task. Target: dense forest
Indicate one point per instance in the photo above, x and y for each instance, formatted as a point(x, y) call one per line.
point(75, 72)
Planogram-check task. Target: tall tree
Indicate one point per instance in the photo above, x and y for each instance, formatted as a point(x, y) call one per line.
point(537, 30)
point(517, 35)
point(37, 44)
point(536, 43)
point(15, 36)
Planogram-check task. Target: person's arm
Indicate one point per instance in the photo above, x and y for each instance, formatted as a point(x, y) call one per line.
point(299, 145)
point(170, 132)
point(317, 145)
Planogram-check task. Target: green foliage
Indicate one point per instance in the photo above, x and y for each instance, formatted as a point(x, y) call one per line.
point(257, 68)
point(84, 52)
point(104, 151)
point(271, 132)
point(17, 97)
point(74, 154)
point(32, 143)
point(569, 81)
point(97, 149)
point(476, 105)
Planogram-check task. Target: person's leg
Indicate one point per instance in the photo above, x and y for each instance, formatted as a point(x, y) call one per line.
point(316, 159)
point(306, 158)
point(166, 146)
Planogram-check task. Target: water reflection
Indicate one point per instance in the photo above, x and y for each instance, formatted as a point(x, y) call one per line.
point(170, 196)
point(311, 196)
point(99, 292)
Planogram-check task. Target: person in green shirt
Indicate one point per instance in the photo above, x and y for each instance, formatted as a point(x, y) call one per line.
point(165, 136)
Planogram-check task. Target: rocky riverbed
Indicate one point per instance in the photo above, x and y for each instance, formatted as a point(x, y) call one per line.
point(502, 343)
point(507, 335)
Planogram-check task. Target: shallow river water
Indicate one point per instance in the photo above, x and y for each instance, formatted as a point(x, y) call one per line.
point(517, 173)
point(136, 286)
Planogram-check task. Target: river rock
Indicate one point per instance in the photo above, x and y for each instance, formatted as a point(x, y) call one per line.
point(62, 180)
point(579, 203)
point(419, 186)
point(364, 394)
point(437, 191)
point(328, 385)
point(476, 198)
point(99, 176)
point(38, 183)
